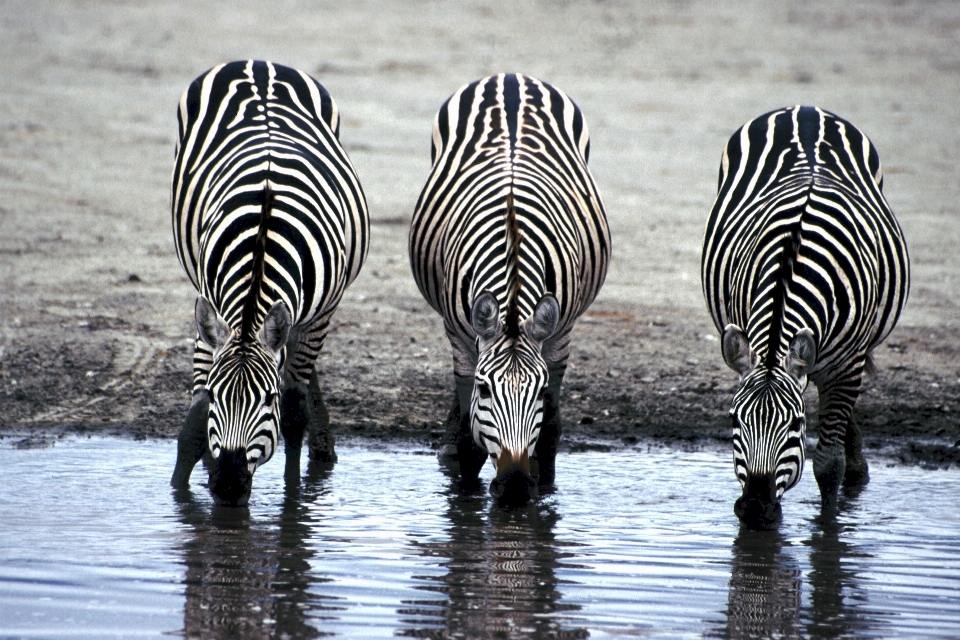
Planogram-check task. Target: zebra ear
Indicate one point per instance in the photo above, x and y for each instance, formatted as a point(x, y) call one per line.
point(543, 323)
point(212, 329)
point(802, 355)
point(736, 350)
point(485, 316)
point(276, 327)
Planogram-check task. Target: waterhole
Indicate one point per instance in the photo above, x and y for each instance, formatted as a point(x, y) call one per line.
point(641, 542)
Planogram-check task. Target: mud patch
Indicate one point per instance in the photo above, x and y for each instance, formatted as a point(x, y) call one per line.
point(631, 377)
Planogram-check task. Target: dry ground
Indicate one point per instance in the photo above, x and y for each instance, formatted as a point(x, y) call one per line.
point(95, 313)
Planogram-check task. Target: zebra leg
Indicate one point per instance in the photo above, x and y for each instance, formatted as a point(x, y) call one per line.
point(470, 455)
point(320, 440)
point(857, 472)
point(829, 466)
point(302, 373)
point(192, 441)
point(451, 434)
point(293, 421)
point(550, 430)
point(837, 398)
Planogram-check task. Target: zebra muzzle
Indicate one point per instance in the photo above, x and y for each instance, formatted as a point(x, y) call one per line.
point(758, 507)
point(230, 478)
point(514, 484)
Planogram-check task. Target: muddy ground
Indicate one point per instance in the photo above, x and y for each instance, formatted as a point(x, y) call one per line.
point(96, 314)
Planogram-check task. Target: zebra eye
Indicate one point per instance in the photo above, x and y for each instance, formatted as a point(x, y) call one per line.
point(483, 390)
point(540, 395)
point(269, 399)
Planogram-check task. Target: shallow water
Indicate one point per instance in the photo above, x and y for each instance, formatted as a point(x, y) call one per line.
point(633, 543)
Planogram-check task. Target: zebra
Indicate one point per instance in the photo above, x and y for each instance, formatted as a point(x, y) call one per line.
point(509, 244)
point(805, 271)
point(271, 225)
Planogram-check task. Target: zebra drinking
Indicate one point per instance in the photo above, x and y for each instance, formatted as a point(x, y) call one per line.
point(509, 244)
point(271, 225)
point(805, 271)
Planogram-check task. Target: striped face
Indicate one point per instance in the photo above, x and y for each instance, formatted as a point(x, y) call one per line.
point(768, 429)
point(243, 423)
point(506, 408)
point(244, 386)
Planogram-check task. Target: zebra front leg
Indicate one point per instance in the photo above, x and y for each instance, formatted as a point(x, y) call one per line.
point(550, 431)
point(293, 420)
point(192, 441)
point(321, 439)
point(830, 459)
point(470, 455)
point(447, 455)
point(857, 471)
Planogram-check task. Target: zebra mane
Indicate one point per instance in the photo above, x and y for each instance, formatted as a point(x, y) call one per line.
point(252, 304)
point(514, 237)
point(791, 245)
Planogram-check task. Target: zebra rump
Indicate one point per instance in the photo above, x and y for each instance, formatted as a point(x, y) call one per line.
point(805, 271)
point(270, 225)
point(509, 244)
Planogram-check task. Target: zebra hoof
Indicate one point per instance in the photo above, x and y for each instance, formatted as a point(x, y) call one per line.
point(326, 456)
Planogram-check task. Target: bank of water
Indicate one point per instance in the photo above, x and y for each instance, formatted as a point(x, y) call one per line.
point(637, 542)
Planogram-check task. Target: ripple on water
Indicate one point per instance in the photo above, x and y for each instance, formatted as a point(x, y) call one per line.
point(632, 543)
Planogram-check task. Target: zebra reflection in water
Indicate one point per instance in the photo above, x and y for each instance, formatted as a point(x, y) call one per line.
point(769, 597)
point(838, 602)
point(764, 590)
point(501, 575)
point(248, 578)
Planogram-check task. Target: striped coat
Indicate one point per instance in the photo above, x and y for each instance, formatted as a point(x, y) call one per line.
point(271, 226)
point(805, 271)
point(509, 210)
point(509, 138)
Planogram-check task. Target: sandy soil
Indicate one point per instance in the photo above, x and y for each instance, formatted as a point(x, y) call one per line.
point(96, 314)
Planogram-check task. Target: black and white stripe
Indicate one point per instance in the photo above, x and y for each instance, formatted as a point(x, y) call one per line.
point(270, 225)
point(509, 243)
point(805, 271)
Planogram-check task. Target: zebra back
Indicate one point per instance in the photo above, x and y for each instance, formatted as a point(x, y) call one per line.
point(251, 132)
point(800, 235)
point(804, 270)
point(270, 225)
point(509, 207)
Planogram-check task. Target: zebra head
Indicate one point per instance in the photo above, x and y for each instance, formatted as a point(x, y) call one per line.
point(243, 384)
point(768, 423)
point(506, 407)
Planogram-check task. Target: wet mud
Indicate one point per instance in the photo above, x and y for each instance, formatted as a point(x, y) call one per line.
point(631, 378)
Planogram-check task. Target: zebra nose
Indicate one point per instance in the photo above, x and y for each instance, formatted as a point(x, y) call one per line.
point(514, 484)
point(230, 478)
point(758, 507)
point(514, 489)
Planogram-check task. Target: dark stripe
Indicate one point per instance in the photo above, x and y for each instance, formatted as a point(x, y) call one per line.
point(808, 122)
point(511, 105)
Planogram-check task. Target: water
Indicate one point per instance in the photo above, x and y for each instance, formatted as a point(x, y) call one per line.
point(634, 543)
